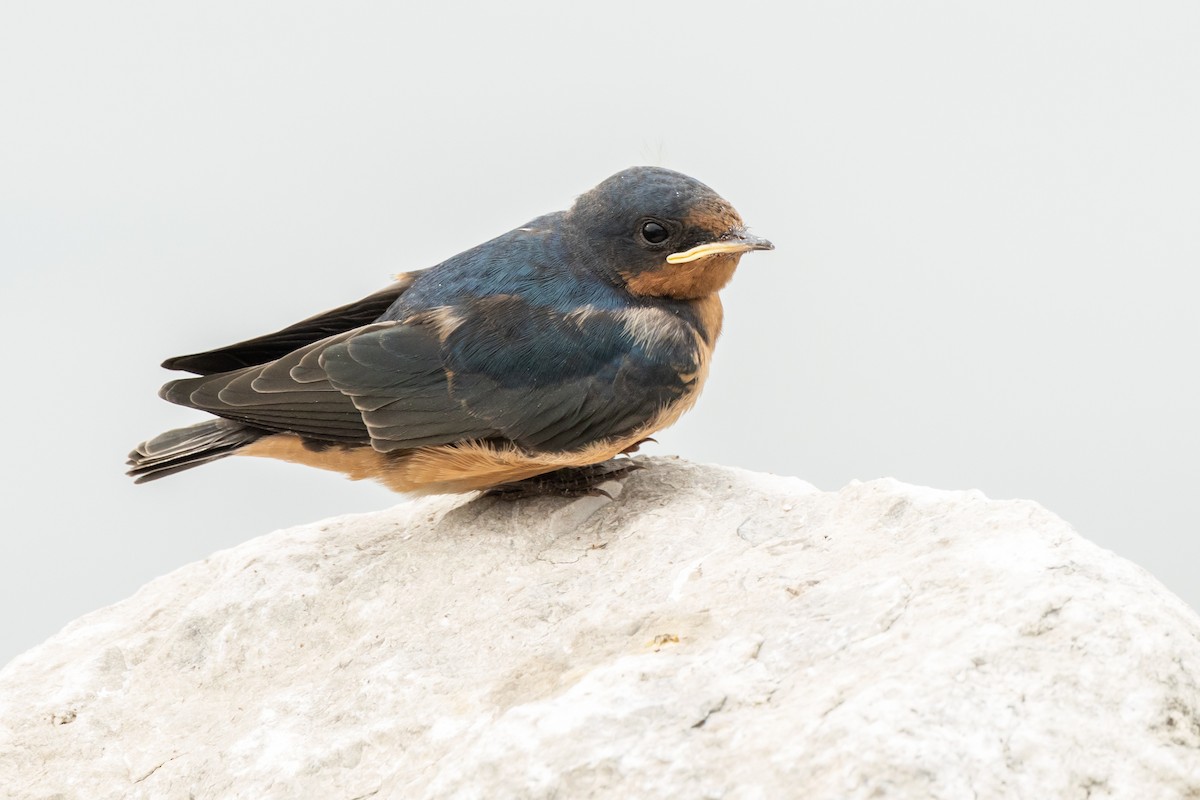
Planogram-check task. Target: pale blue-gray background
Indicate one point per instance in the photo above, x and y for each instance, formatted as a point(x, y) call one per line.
point(986, 218)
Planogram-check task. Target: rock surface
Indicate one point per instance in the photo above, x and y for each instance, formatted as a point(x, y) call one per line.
point(710, 633)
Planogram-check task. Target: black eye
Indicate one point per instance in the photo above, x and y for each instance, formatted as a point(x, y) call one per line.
point(654, 232)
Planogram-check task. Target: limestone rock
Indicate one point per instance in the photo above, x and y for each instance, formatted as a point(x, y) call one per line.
point(709, 633)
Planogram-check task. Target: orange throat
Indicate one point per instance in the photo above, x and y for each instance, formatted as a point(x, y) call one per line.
point(691, 281)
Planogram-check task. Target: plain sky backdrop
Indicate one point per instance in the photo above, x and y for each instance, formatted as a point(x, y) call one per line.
point(986, 216)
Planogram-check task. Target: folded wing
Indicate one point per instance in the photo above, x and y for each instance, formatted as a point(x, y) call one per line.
point(497, 369)
point(271, 346)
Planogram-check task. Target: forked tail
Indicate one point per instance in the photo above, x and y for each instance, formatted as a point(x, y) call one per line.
point(184, 448)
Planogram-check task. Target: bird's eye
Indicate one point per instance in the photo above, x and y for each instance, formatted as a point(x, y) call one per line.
point(654, 232)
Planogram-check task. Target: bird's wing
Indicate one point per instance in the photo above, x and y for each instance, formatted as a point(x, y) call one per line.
point(498, 369)
point(294, 394)
point(271, 346)
point(534, 376)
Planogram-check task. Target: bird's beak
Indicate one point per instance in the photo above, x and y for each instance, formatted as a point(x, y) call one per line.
point(736, 241)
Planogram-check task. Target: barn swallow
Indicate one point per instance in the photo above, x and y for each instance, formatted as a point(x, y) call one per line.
point(550, 349)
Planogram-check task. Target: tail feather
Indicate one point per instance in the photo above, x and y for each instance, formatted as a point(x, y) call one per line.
point(184, 448)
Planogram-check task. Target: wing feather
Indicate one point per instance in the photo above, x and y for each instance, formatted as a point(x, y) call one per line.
point(271, 346)
point(543, 380)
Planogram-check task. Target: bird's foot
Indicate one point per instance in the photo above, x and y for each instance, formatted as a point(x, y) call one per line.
point(633, 448)
point(566, 482)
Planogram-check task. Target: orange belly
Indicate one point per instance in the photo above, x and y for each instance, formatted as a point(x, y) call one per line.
point(461, 467)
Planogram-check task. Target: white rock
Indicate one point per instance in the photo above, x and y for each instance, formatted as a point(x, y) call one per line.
point(710, 633)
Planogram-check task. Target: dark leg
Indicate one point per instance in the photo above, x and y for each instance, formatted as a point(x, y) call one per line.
point(566, 482)
point(633, 448)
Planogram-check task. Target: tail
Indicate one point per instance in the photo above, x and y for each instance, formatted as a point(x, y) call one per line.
point(184, 448)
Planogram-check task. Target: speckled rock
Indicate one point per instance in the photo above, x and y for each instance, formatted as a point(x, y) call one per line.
point(709, 633)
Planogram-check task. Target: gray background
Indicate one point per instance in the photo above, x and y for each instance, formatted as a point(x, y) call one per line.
point(986, 219)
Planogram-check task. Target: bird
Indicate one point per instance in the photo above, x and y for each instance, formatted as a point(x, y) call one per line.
point(524, 365)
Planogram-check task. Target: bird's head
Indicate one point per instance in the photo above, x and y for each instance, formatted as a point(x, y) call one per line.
point(661, 233)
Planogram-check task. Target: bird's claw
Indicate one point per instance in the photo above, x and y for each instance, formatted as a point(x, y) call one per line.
point(633, 448)
point(584, 481)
